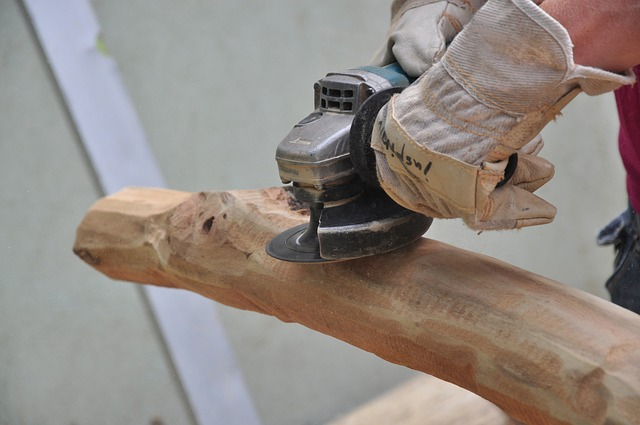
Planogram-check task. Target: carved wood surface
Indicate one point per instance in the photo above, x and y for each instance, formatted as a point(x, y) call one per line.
point(542, 351)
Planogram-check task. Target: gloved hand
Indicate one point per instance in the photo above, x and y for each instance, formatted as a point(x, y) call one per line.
point(421, 30)
point(442, 145)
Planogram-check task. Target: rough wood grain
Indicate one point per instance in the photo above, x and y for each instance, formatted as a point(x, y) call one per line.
point(543, 352)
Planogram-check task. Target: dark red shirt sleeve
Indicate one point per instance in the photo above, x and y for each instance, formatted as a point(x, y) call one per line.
point(628, 101)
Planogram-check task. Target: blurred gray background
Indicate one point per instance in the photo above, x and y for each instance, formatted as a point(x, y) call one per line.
point(216, 85)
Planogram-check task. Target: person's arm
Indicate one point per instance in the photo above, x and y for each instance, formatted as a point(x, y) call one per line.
point(605, 34)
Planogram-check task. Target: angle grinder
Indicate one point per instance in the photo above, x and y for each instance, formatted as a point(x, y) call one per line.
point(329, 162)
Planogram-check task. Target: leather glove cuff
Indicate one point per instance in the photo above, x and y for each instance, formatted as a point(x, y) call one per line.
point(440, 186)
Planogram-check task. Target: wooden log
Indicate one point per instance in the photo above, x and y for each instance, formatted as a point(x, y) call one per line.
point(541, 351)
point(426, 400)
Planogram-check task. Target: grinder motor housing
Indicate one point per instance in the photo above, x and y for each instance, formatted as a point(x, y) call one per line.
point(315, 155)
point(323, 156)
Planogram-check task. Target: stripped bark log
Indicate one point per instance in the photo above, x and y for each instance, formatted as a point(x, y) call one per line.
point(426, 400)
point(542, 351)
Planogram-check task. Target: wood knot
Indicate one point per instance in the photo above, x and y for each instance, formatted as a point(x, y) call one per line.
point(208, 224)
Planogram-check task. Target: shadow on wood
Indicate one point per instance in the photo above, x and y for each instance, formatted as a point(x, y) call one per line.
point(541, 351)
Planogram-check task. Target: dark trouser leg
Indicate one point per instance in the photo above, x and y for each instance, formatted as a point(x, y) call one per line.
point(624, 284)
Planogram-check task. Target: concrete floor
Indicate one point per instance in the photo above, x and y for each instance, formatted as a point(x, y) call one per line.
point(217, 85)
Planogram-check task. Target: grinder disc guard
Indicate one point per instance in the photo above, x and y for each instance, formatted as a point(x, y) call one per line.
point(371, 224)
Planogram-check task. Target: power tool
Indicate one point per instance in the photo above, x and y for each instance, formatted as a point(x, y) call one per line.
point(329, 162)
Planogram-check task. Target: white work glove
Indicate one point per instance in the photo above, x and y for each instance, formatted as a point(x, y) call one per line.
point(442, 145)
point(421, 30)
